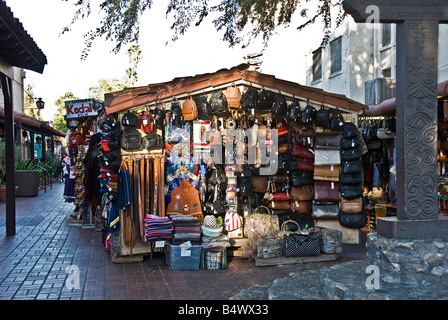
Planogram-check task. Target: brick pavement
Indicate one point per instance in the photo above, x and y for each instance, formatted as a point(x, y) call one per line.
point(34, 262)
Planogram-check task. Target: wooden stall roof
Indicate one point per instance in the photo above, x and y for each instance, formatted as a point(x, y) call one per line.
point(150, 94)
point(16, 45)
point(33, 124)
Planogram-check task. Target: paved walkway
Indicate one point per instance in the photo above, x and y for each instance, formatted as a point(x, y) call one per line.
point(34, 262)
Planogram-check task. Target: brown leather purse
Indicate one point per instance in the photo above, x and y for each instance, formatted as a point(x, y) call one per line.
point(260, 183)
point(302, 193)
point(233, 96)
point(327, 172)
point(326, 191)
point(189, 109)
point(305, 137)
point(351, 205)
point(301, 207)
point(302, 152)
point(327, 140)
point(279, 205)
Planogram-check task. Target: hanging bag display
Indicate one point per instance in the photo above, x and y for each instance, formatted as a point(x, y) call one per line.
point(325, 210)
point(203, 106)
point(130, 120)
point(130, 139)
point(326, 157)
point(280, 106)
point(233, 97)
point(249, 99)
point(153, 141)
point(218, 103)
point(336, 121)
point(293, 110)
point(189, 109)
point(308, 116)
point(323, 118)
point(297, 244)
point(266, 99)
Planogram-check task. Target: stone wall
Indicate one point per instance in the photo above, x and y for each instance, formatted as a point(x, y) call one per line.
point(407, 261)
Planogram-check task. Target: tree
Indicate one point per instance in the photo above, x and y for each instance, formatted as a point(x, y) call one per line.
point(59, 120)
point(121, 21)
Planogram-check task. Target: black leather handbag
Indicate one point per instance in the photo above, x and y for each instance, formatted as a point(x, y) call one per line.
point(350, 178)
point(302, 178)
point(130, 120)
point(351, 191)
point(351, 166)
point(353, 220)
point(153, 141)
point(300, 245)
point(308, 116)
point(266, 99)
point(323, 118)
point(130, 139)
point(336, 121)
point(293, 110)
point(349, 130)
point(279, 106)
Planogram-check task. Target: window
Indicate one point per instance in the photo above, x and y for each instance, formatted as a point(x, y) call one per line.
point(317, 64)
point(336, 55)
point(386, 34)
point(387, 73)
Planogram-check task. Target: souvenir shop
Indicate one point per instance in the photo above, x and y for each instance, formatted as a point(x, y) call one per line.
point(233, 161)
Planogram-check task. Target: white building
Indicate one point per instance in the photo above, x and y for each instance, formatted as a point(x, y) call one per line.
point(360, 61)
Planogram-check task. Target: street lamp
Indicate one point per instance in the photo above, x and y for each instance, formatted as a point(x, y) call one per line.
point(40, 104)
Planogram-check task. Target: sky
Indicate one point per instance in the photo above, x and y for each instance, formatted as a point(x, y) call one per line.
point(200, 50)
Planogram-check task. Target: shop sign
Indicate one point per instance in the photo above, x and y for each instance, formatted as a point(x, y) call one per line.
point(81, 108)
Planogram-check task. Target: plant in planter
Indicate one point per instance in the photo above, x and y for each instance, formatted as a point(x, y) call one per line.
point(26, 178)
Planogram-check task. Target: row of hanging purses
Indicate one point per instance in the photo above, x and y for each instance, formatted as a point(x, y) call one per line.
point(352, 214)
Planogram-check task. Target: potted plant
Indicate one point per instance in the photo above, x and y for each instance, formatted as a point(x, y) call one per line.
point(26, 178)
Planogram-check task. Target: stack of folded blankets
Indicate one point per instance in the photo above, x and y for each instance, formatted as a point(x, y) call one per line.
point(186, 228)
point(158, 228)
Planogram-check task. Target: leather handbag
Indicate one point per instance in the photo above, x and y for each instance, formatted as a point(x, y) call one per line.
point(130, 139)
point(233, 96)
point(323, 118)
point(302, 193)
point(130, 120)
point(305, 137)
point(293, 110)
point(260, 183)
point(266, 99)
point(327, 172)
point(282, 196)
point(327, 157)
point(351, 205)
point(301, 178)
point(301, 207)
point(281, 178)
point(279, 106)
point(325, 209)
point(326, 191)
point(351, 191)
point(295, 244)
point(348, 143)
point(152, 141)
point(283, 148)
point(305, 164)
point(351, 166)
point(249, 99)
point(327, 141)
point(279, 205)
point(336, 121)
point(350, 178)
point(353, 220)
point(349, 130)
point(302, 152)
point(351, 154)
point(308, 115)
point(203, 106)
point(189, 109)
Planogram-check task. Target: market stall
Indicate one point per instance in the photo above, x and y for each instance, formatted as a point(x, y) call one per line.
point(203, 154)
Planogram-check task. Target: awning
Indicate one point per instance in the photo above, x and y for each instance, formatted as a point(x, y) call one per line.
point(182, 87)
point(16, 46)
point(33, 124)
